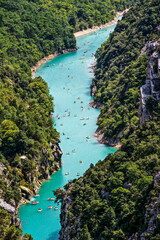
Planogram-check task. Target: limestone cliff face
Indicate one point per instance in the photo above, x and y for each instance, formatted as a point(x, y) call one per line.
point(152, 85)
point(68, 227)
point(152, 211)
point(49, 163)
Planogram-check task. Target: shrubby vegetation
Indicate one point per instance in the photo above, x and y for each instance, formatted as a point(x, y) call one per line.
point(118, 197)
point(30, 30)
point(87, 13)
point(111, 199)
point(9, 232)
point(120, 112)
point(120, 72)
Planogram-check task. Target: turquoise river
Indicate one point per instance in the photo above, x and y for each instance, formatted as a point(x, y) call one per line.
point(69, 77)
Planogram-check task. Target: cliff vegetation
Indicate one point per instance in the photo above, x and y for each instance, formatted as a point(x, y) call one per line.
point(29, 151)
point(118, 198)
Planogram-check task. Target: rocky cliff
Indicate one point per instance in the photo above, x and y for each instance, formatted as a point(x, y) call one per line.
point(120, 72)
point(119, 197)
point(49, 163)
point(151, 89)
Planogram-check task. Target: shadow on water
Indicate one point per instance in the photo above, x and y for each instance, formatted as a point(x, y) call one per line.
point(87, 93)
point(95, 143)
point(53, 235)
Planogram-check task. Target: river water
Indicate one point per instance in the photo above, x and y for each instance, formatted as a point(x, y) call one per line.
point(69, 77)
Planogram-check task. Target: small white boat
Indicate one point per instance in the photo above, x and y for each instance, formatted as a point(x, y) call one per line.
point(50, 206)
point(88, 137)
point(50, 199)
point(34, 203)
point(67, 173)
point(39, 209)
point(78, 174)
point(55, 208)
point(68, 137)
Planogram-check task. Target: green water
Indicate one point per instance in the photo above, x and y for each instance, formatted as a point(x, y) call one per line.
point(68, 79)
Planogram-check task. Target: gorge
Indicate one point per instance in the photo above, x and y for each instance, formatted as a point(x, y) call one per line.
point(69, 78)
point(118, 197)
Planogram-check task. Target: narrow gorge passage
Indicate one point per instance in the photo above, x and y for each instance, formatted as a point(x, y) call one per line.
point(69, 77)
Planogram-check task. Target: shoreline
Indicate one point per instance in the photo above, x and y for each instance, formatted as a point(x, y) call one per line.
point(99, 134)
point(96, 28)
point(44, 60)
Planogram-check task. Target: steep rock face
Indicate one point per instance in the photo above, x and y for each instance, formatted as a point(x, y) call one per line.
point(7, 206)
point(152, 85)
point(10, 209)
point(152, 211)
point(99, 134)
point(49, 163)
point(68, 230)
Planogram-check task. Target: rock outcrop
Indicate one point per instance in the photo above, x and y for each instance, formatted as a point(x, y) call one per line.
point(152, 85)
point(101, 138)
point(49, 163)
point(152, 210)
point(67, 229)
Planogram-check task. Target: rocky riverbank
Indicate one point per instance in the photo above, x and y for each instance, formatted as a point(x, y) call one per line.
point(99, 134)
point(51, 163)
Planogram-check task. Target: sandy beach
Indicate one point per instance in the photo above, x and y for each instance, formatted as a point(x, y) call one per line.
point(77, 34)
point(47, 58)
point(96, 28)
